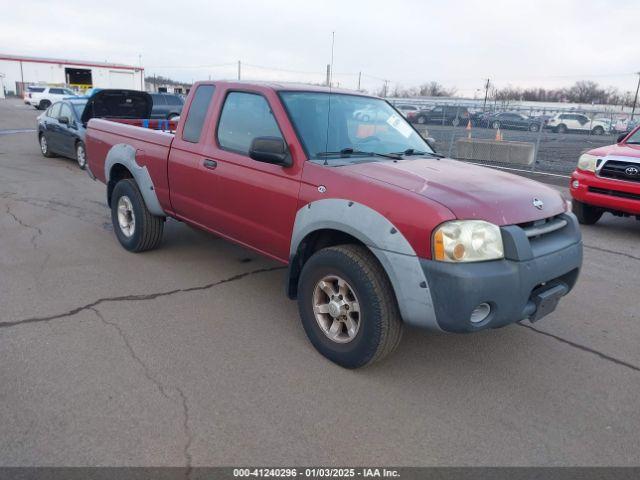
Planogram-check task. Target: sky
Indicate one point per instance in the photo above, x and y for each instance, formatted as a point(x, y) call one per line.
point(457, 43)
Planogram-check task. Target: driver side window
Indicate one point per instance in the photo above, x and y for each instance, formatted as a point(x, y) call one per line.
point(54, 111)
point(65, 111)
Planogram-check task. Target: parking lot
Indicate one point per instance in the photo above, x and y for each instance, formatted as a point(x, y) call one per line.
point(557, 152)
point(192, 355)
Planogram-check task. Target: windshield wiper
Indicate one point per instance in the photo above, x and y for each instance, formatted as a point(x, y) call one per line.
point(347, 152)
point(411, 151)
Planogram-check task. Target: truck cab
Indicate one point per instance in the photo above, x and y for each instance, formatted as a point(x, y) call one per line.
point(376, 229)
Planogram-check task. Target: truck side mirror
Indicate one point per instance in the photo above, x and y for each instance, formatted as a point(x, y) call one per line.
point(621, 137)
point(270, 150)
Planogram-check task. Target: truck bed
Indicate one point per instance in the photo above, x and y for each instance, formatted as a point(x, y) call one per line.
point(151, 138)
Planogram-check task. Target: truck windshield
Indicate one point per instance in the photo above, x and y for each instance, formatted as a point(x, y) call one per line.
point(339, 124)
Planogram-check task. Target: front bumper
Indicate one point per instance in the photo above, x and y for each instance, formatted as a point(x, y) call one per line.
point(610, 194)
point(526, 284)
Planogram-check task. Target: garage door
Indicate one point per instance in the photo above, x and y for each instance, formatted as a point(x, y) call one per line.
point(121, 79)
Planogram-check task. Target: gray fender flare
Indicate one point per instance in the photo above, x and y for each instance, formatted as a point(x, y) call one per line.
point(126, 155)
point(385, 241)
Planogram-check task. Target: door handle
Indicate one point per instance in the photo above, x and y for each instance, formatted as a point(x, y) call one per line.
point(210, 164)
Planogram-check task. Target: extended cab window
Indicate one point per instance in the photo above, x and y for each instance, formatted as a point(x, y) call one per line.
point(244, 117)
point(197, 113)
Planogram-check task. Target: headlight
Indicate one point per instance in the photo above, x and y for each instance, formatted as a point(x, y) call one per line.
point(467, 241)
point(587, 162)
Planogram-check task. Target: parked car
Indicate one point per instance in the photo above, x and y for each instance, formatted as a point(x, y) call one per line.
point(442, 114)
point(511, 121)
point(607, 179)
point(47, 96)
point(576, 122)
point(166, 105)
point(376, 228)
point(29, 90)
point(405, 109)
point(62, 127)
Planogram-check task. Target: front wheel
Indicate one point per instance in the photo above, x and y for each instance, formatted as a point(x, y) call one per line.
point(44, 146)
point(562, 128)
point(598, 131)
point(347, 306)
point(586, 214)
point(534, 127)
point(81, 155)
point(136, 228)
point(495, 125)
point(421, 120)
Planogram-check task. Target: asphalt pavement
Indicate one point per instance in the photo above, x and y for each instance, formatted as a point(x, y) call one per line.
point(192, 355)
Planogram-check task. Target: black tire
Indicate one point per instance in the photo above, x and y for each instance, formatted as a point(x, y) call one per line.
point(495, 125)
point(534, 127)
point(44, 146)
point(146, 233)
point(586, 214)
point(598, 130)
point(421, 119)
point(380, 324)
point(562, 128)
point(44, 104)
point(81, 155)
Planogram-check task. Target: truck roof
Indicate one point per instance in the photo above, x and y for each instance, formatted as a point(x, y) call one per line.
point(284, 86)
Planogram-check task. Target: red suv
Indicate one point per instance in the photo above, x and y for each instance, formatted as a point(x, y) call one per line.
point(607, 179)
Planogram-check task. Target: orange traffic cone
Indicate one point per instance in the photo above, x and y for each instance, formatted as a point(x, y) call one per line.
point(498, 135)
point(469, 129)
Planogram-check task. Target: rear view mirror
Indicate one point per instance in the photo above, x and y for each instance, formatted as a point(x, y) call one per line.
point(270, 150)
point(64, 120)
point(621, 137)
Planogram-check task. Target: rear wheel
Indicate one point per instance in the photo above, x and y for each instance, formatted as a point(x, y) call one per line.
point(495, 125)
point(534, 127)
point(347, 306)
point(81, 155)
point(562, 128)
point(598, 130)
point(421, 119)
point(586, 214)
point(136, 228)
point(44, 146)
point(44, 104)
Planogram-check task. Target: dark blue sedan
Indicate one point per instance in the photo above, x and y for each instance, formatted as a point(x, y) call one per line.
point(61, 131)
point(62, 127)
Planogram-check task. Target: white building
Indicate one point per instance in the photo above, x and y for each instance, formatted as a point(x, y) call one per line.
point(20, 71)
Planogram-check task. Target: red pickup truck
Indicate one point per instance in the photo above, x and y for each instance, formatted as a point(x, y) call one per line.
point(607, 179)
point(377, 229)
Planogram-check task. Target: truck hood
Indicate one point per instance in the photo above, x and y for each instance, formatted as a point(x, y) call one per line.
point(113, 103)
point(469, 191)
point(619, 150)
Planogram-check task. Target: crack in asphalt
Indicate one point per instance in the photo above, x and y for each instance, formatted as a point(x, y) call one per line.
point(148, 374)
point(135, 298)
point(584, 348)
point(614, 252)
point(17, 219)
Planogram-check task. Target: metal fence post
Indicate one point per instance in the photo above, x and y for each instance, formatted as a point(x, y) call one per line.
point(537, 150)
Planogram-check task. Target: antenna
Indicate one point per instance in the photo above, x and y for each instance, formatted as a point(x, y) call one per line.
point(330, 78)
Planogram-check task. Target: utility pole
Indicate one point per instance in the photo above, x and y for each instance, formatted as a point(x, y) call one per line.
point(635, 100)
point(141, 72)
point(155, 83)
point(359, 78)
point(486, 94)
point(386, 88)
point(239, 69)
point(328, 75)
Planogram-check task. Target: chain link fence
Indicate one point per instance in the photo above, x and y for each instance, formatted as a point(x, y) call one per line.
point(535, 138)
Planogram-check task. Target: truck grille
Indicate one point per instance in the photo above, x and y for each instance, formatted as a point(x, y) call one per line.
point(615, 193)
point(618, 170)
point(543, 227)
